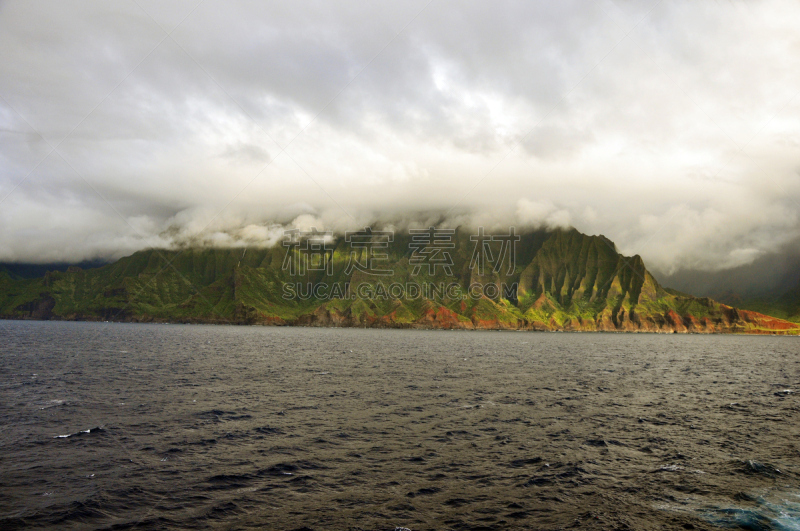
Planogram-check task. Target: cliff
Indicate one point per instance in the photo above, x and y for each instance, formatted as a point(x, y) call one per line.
point(553, 280)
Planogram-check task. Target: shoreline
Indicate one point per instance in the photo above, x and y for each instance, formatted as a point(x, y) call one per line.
point(413, 326)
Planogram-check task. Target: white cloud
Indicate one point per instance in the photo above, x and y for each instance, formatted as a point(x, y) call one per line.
point(542, 214)
point(673, 132)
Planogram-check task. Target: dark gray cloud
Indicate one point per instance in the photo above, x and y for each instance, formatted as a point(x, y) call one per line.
point(673, 128)
point(768, 277)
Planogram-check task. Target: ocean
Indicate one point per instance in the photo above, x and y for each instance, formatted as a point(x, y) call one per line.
point(145, 426)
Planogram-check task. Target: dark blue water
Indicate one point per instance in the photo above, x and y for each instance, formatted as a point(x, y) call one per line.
point(126, 426)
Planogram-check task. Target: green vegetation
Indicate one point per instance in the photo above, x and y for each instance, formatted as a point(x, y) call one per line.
point(563, 280)
point(785, 306)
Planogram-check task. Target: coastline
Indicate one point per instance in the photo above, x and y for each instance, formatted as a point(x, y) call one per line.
point(379, 325)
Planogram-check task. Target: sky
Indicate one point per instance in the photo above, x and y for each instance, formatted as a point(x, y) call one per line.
point(673, 128)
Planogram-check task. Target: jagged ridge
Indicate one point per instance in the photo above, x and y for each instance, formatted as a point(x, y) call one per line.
point(564, 280)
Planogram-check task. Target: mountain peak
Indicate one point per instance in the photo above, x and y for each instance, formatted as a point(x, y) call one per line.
point(441, 278)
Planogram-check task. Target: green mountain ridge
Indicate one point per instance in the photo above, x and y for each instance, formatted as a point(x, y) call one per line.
point(785, 305)
point(769, 285)
point(563, 280)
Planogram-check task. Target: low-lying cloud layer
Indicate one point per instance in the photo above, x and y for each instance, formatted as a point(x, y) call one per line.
point(672, 128)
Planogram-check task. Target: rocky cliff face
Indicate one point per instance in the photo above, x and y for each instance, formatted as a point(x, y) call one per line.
point(549, 280)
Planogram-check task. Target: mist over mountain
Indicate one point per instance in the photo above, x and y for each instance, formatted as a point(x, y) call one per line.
point(770, 284)
point(670, 127)
point(592, 175)
point(770, 275)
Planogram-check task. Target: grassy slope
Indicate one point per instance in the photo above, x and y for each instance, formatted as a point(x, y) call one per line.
point(787, 306)
point(566, 280)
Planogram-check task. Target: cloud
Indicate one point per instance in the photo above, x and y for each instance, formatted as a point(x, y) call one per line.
point(542, 214)
point(672, 128)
